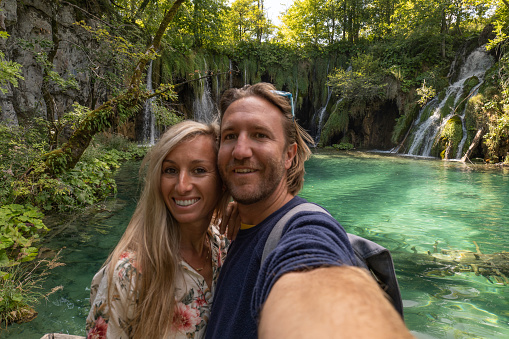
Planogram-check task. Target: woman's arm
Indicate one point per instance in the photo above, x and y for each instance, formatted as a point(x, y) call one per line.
point(110, 318)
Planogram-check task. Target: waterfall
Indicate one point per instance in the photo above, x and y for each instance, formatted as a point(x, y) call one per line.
point(427, 131)
point(245, 74)
point(149, 126)
point(203, 105)
point(473, 92)
point(319, 115)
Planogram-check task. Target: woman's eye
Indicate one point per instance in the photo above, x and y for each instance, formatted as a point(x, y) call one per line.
point(170, 170)
point(200, 170)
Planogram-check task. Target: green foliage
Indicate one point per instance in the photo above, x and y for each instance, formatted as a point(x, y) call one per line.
point(165, 117)
point(335, 125)
point(112, 58)
point(500, 28)
point(10, 72)
point(92, 179)
point(21, 289)
point(363, 82)
point(20, 227)
point(244, 20)
point(497, 136)
point(426, 93)
point(343, 146)
point(451, 134)
point(465, 96)
point(448, 107)
point(404, 122)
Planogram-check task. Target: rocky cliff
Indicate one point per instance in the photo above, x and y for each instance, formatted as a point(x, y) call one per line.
point(44, 38)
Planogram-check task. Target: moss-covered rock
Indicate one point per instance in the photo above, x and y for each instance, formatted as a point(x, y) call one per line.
point(450, 137)
point(335, 125)
point(448, 107)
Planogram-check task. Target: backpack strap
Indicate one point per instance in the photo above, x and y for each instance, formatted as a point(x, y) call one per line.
point(368, 254)
point(277, 231)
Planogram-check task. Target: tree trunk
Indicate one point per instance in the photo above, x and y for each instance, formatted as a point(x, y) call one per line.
point(49, 100)
point(102, 117)
point(473, 145)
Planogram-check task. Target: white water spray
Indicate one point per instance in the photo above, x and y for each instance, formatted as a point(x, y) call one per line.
point(424, 137)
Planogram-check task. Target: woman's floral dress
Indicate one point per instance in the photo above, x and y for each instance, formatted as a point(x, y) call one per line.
point(193, 295)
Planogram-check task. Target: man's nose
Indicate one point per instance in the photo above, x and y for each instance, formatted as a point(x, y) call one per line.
point(242, 147)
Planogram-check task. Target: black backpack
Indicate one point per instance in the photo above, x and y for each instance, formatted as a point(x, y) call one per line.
point(369, 255)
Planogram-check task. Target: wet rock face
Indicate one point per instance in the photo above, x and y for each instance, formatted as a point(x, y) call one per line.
point(49, 28)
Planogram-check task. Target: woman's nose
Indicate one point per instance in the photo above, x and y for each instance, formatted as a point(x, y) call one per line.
point(184, 184)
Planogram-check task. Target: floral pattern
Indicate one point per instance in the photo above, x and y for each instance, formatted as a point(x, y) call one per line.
point(194, 297)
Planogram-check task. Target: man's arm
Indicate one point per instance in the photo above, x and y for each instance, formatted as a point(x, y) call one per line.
point(329, 302)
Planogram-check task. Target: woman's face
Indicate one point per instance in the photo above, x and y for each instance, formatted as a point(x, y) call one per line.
point(190, 183)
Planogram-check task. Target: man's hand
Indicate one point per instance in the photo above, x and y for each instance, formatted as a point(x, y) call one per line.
point(329, 302)
point(230, 224)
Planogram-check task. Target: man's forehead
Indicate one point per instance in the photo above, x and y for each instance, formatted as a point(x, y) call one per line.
point(253, 108)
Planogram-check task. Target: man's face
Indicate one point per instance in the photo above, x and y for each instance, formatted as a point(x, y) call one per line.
point(253, 156)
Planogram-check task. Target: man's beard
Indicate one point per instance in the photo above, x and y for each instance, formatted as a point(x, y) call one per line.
point(273, 174)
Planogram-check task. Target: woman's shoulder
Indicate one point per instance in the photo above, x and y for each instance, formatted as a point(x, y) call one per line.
point(217, 239)
point(126, 266)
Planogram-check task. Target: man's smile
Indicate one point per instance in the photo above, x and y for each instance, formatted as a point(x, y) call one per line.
point(244, 170)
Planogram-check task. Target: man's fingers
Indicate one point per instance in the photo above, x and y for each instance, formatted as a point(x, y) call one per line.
point(233, 223)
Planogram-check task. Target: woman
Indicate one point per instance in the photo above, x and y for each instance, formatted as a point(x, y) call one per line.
point(159, 280)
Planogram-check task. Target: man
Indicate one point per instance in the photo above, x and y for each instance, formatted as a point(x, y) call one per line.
point(307, 287)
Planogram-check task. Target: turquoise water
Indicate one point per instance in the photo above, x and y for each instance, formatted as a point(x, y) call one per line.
point(408, 205)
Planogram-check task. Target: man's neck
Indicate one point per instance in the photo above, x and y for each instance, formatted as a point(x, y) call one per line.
point(253, 214)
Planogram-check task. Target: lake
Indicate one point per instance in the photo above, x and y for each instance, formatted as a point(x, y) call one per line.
point(426, 212)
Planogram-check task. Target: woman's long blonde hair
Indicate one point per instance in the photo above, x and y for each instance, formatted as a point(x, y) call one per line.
point(154, 236)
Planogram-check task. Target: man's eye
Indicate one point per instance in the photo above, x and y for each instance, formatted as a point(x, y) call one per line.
point(260, 135)
point(230, 136)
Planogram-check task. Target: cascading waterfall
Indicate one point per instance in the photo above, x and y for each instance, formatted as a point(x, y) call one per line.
point(320, 115)
point(203, 105)
point(245, 74)
point(149, 126)
point(473, 92)
point(426, 132)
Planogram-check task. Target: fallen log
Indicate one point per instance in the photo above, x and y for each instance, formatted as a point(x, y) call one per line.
point(473, 145)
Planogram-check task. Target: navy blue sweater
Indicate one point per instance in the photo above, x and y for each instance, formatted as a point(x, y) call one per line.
point(310, 239)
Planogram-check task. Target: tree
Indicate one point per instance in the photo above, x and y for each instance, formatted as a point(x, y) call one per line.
point(246, 21)
point(380, 13)
point(321, 22)
point(305, 23)
point(123, 105)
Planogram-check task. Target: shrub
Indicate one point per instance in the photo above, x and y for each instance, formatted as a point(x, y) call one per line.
point(343, 146)
point(21, 289)
point(20, 227)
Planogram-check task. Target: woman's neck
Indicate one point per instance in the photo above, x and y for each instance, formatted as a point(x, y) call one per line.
point(193, 238)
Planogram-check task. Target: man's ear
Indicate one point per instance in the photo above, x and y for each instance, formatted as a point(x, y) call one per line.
point(291, 151)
